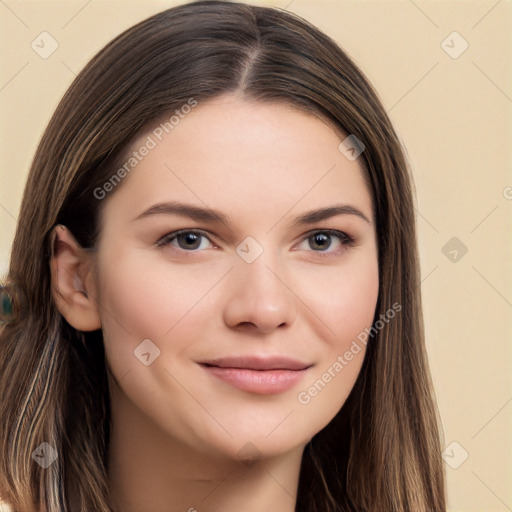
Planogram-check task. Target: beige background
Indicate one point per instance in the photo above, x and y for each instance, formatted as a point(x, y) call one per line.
point(454, 116)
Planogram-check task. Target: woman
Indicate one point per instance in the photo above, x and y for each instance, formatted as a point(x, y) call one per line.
point(214, 284)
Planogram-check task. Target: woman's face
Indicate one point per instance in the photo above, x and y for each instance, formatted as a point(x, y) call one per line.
point(240, 330)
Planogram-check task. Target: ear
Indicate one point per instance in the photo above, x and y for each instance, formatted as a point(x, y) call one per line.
point(73, 287)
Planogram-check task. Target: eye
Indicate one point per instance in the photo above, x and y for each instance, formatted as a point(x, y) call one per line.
point(186, 239)
point(321, 241)
point(191, 240)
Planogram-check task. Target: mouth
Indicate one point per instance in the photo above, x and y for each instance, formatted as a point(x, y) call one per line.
point(263, 376)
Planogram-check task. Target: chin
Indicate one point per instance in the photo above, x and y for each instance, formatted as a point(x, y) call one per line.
point(256, 436)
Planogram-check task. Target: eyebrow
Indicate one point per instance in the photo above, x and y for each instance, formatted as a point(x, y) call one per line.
point(208, 215)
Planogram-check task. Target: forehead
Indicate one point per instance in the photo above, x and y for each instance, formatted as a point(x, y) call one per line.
point(244, 157)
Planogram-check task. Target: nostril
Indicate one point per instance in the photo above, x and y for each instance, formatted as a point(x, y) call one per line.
point(243, 324)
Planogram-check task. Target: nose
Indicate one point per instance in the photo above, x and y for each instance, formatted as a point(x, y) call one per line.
point(259, 299)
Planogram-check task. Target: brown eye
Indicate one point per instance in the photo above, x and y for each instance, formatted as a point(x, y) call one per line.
point(320, 241)
point(189, 240)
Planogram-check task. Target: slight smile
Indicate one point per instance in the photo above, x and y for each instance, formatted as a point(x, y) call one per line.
point(263, 376)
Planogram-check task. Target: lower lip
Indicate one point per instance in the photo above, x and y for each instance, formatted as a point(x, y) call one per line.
point(262, 382)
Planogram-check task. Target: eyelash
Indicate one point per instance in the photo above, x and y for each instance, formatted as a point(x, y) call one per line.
point(345, 239)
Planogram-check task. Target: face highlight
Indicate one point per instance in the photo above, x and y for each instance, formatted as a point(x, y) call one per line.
point(236, 263)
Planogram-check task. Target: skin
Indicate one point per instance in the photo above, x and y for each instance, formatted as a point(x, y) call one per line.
point(178, 431)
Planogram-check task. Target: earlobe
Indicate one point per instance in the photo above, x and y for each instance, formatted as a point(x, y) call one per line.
point(72, 291)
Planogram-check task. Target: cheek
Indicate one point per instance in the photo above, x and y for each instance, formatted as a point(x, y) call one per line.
point(354, 307)
point(344, 299)
point(134, 306)
point(149, 298)
point(143, 298)
point(347, 307)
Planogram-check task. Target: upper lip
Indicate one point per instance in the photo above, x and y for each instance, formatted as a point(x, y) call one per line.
point(258, 363)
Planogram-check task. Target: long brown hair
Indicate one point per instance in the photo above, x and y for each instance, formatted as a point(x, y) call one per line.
point(382, 451)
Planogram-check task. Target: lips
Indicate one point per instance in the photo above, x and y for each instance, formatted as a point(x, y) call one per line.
point(258, 363)
point(263, 376)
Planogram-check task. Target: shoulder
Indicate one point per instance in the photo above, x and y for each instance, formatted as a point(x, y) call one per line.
point(4, 507)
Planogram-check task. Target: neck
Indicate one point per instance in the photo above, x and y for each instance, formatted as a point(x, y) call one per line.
point(149, 470)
